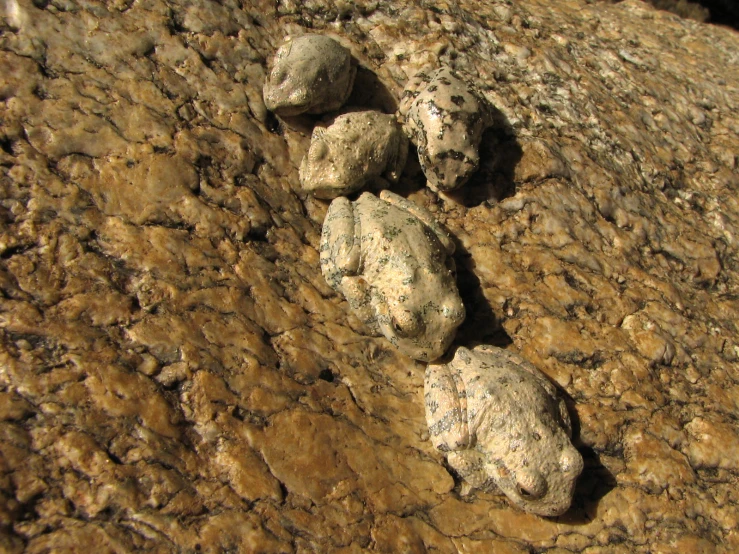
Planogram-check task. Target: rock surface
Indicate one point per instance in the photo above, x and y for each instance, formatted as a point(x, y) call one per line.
point(177, 376)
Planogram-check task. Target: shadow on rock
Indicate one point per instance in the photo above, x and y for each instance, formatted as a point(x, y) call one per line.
point(500, 152)
point(370, 93)
point(481, 326)
point(303, 123)
point(594, 482)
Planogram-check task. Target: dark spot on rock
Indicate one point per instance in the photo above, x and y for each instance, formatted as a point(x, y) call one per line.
point(273, 124)
point(7, 145)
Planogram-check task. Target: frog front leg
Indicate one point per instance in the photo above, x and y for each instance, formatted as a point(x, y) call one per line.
point(446, 409)
point(470, 466)
point(422, 215)
point(358, 293)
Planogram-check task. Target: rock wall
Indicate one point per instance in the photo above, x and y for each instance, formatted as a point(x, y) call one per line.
point(176, 375)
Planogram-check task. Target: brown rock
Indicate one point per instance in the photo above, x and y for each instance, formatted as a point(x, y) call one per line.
point(176, 375)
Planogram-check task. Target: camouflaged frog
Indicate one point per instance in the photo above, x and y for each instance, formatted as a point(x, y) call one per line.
point(499, 420)
point(445, 118)
point(310, 74)
point(392, 261)
point(352, 150)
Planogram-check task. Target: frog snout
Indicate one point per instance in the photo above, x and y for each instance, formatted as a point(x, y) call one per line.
point(453, 309)
point(299, 98)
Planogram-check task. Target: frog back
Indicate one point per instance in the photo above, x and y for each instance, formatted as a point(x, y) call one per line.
point(500, 392)
point(394, 242)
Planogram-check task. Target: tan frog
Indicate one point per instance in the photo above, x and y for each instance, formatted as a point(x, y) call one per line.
point(445, 117)
point(310, 74)
point(352, 150)
point(392, 261)
point(500, 422)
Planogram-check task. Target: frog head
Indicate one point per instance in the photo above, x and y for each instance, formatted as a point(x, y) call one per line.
point(332, 167)
point(420, 313)
point(310, 74)
point(287, 94)
point(288, 90)
point(321, 172)
point(447, 168)
point(531, 459)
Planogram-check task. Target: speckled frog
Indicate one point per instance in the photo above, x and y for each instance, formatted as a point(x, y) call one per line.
point(392, 261)
point(499, 420)
point(445, 117)
point(310, 74)
point(353, 149)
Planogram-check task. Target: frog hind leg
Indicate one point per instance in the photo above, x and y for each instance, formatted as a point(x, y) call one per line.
point(425, 216)
point(339, 249)
point(358, 294)
point(446, 409)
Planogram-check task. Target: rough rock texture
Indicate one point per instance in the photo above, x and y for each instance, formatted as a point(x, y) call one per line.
point(177, 376)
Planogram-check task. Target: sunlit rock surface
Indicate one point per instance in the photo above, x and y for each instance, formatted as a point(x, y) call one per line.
point(177, 376)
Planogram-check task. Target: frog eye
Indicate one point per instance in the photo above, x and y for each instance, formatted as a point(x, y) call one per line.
point(318, 150)
point(523, 492)
point(278, 76)
point(530, 485)
point(407, 324)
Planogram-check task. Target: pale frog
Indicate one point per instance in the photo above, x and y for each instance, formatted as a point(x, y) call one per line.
point(310, 74)
point(352, 150)
point(445, 117)
point(500, 421)
point(392, 261)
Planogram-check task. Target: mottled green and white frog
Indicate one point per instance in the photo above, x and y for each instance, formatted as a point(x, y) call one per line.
point(352, 150)
point(310, 74)
point(500, 421)
point(445, 117)
point(392, 261)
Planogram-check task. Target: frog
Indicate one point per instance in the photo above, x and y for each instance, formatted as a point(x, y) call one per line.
point(311, 74)
point(392, 261)
point(445, 117)
point(500, 422)
point(352, 150)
